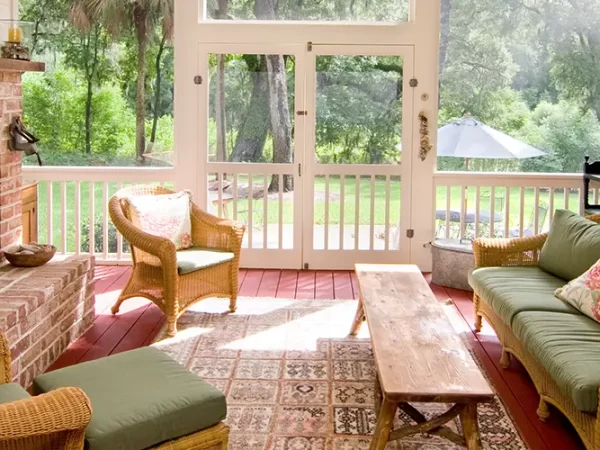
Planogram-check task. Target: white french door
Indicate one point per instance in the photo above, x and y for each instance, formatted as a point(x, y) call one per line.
point(333, 188)
point(355, 208)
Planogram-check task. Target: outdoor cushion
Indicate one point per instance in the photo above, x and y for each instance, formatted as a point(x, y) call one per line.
point(510, 290)
point(572, 247)
point(139, 399)
point(568, 347)
point(197, 258)
point(583, 292)
point(10, 392)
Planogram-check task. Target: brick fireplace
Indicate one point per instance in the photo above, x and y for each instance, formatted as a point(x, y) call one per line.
point(42, 309)
point(11, 179)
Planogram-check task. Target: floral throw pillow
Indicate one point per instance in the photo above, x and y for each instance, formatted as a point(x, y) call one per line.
point(584, 292)
point(167, 216)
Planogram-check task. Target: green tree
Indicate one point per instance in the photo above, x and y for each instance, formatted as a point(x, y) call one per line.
point(118, 17)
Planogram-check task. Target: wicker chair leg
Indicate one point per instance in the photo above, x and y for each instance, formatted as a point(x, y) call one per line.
point(233, 303)
point(505, 359)
point(543, 411)
point(115, 308)
point(478, 323)
point(171, 326)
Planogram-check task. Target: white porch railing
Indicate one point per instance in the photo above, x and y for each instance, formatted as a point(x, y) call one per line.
point(73, 207)
point(73, 215)
point(475, 204)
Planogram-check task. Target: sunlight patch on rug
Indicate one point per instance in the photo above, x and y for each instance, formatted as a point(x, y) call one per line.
point(294, 380)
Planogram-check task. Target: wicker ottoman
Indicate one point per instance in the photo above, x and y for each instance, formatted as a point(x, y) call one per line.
point(143, 399)
point(452, 263)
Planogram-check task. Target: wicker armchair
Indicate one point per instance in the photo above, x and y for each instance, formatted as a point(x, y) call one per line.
point(526, 252)
point(56, 420)
point(155, 274)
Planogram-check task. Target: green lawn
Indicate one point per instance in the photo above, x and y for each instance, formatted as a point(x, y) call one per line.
point(335, 194)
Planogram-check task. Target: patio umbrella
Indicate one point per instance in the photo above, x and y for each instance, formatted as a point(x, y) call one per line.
point(469, 138)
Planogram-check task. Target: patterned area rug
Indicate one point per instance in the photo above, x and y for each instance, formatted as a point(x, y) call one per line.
point(294, 380)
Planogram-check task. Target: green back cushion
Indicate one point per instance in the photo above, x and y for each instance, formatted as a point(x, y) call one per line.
point(572, 247)
point(11, 392)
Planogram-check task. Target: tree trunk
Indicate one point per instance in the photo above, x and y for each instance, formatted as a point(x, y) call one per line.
point(252, 135)
point(88, 116)
point(156, 108)
point(281, 127)
point(444, 36)
point(140, 18)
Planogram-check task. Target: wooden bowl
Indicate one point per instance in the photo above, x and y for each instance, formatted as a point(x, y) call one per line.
point(36, 260)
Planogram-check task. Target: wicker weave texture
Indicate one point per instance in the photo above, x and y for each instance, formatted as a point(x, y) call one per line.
point(154, 274)
point(526, 252)
point(4, 360)
point(213, 438)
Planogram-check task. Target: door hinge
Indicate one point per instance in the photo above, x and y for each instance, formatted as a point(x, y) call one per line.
point(410, 233)
point(309, 46)
point(299, 169)
point(413, 82)
point(197, 79)
point(302, 113)
point(305, 266)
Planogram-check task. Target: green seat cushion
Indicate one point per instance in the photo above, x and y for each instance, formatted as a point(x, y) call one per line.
point(572, 247)
point(10, 392)
point(568, 347)
point(511, 290)
point(139, 399)
point(197, 258)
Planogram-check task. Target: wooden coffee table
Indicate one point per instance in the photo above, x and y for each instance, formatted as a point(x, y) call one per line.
point(418, 355)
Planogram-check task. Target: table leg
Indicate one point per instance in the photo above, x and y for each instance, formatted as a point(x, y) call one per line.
point(358, 318)
point(385, 423)
point(468, 419)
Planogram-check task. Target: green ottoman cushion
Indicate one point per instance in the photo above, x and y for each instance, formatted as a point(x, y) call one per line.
point(197, 258)
point(10, 392)
point(139, 399)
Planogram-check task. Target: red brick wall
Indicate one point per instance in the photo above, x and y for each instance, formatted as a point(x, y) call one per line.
point(10, 162)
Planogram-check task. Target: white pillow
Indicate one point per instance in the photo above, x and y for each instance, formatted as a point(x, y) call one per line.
point(583, 292)
point(167, 216)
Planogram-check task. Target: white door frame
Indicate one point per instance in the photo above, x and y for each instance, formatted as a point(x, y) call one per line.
point(263, 256)
point(346, 258)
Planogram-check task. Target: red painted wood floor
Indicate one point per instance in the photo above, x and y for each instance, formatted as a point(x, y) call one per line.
point(139, 321)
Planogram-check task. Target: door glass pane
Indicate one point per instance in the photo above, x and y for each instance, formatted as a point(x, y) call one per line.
point(317, 10)
point(357, 181)
point(359, 109)
point(251, 104)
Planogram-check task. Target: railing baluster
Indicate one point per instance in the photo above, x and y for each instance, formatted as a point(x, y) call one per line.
point(265, 211)
point(119, 235)
point(342, 203)
point(566, 197)
point(492, 211)
point(250, 221)
point(372, 215)
point(105, 219)
point(521, 210)
point(387, 211)
point(280, 221)
point(63, 216)
point(463, 212)
point(235, 196)
point(448, 206)
point(536, 212)
point(49, 207)
point(220, 195)
point(356, 211)
point(507, 212)
point(326, 200)
point(92, 230)
point(477, 209)
point(551, 204)
point(77, 217)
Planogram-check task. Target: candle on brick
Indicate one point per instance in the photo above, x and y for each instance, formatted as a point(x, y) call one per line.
point(14, 34)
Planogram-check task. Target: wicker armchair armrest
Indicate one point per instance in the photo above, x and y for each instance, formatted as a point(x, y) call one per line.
point(213, 232)
point(4, 360)
point(63, 410)
point(508, 252)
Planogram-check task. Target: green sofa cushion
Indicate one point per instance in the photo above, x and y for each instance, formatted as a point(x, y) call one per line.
point(139, 399)
point(197, 258)
point(568, 347)
point(510, 290)
point(10, 392)
point(572, 247)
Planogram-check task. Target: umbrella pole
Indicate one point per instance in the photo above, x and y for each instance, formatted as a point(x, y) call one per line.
point(467, 164)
